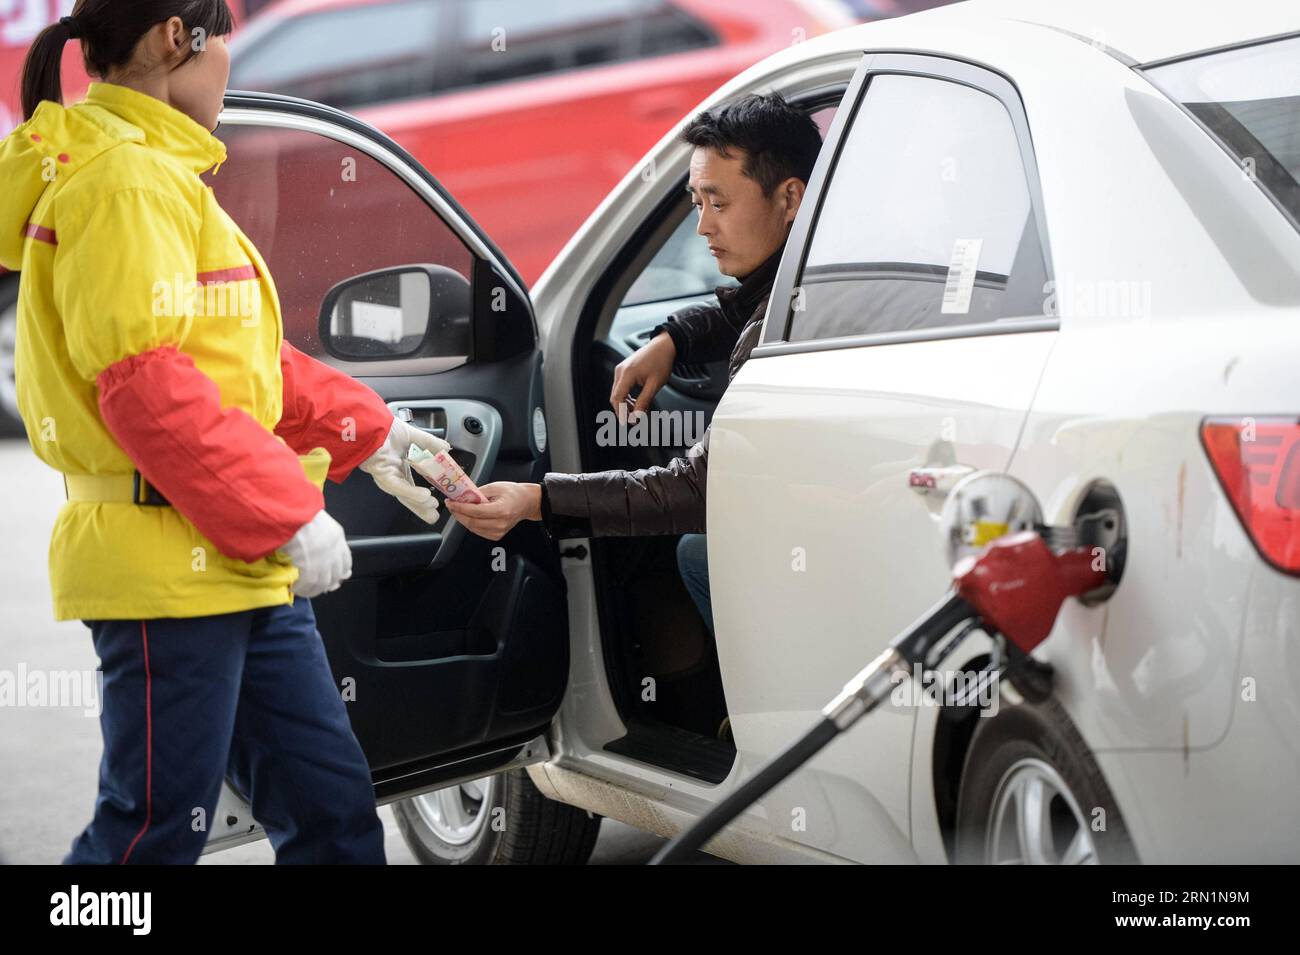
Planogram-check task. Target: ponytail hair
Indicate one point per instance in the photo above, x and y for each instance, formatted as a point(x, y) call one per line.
point(41, 76)
point(109, 31)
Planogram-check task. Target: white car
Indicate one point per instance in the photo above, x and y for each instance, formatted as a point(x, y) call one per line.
point(1058, 241)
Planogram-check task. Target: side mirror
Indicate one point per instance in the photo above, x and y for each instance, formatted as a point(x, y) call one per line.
point(407, 311)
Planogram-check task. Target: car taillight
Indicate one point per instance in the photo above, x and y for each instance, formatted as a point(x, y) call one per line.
point(1258, 464)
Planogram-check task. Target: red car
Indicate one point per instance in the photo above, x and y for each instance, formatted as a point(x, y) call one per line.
point(528, 112)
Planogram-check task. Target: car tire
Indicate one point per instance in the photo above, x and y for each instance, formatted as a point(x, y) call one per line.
point(1030, 793)
point(11, 424)
point(455, 826)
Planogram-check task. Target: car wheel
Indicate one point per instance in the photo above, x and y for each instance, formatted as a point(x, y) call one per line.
point(10, 421)
point(497, 820)
point(1031, 793)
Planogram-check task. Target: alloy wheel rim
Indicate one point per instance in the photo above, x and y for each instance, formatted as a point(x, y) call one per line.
point(458, 813)
point(1037, 821)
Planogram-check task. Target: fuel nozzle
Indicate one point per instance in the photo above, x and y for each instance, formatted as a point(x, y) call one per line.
point(1013, 588)
point(1018, 584)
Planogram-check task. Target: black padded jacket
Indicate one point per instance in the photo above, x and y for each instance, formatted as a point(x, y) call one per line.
point(665, 500)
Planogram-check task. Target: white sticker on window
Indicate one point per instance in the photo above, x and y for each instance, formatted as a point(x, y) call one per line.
point(961, 276)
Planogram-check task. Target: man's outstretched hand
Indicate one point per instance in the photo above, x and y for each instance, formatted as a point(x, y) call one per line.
point(507, 504)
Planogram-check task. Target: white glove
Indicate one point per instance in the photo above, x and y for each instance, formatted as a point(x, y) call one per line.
point(393, 475)
point(321, 553)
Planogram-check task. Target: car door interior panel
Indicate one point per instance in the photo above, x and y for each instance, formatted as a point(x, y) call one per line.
point(451, 651)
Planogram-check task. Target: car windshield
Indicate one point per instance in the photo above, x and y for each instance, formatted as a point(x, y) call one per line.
point(1249, 98)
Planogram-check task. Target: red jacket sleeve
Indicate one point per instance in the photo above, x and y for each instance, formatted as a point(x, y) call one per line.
point(324, 408)
point(244, 490)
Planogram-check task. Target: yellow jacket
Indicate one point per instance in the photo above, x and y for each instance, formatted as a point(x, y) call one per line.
point(150, 338)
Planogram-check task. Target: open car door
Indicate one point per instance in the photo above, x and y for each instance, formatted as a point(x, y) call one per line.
point(451, 651)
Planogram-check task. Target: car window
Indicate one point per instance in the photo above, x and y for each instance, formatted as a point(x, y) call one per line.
point(683, 266)
point(511, 39)
point(321, 211)
point(926, 221)
point(345, 57)
point(1250, 99)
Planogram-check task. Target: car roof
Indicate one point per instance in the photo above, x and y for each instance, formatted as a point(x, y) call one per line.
point(1139, 30)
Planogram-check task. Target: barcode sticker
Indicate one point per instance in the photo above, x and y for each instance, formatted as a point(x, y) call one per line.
point(961, 276)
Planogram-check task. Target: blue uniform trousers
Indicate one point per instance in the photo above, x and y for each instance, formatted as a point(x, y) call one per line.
point(187, 701)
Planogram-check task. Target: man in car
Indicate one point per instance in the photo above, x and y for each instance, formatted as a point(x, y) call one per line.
point(751, 164)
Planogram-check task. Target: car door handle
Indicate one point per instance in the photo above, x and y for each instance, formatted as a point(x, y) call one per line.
point(425, 421)
point(937, 481)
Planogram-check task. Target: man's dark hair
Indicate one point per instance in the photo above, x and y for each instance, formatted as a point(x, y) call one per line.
point(778, 140)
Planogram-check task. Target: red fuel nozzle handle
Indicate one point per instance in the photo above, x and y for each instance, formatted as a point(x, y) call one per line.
point(1017, 585)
